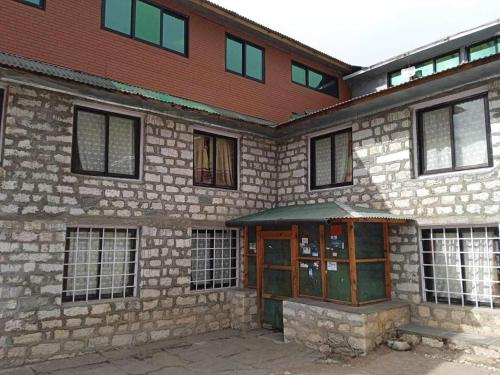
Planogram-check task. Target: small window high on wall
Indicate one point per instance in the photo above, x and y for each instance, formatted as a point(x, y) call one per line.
point(144, 21)
point(35, 3)
point(245, 58)
point(304, 76)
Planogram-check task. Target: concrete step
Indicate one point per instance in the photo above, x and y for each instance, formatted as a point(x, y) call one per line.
point(482, 346)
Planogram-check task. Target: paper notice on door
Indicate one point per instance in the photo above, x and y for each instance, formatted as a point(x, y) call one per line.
point(305, 240)
point(332, 266)
point(306, 250)
point(303, 265)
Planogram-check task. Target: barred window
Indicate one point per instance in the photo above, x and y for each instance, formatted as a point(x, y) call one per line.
point(99, 263)
point(214, 258)
point(461, 265)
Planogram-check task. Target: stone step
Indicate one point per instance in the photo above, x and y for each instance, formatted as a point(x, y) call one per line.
point(486, 346)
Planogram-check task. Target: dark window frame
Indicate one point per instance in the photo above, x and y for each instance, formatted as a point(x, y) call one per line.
point(41, 6)
point(307, 69)
point(3, 104)
point(420, 136)
point(163, 10)
point(244, 43)
point(214, 162)
point(495, 40)
point(423, 62)
point(75, 162)
point(312, 166)
point(131, 280)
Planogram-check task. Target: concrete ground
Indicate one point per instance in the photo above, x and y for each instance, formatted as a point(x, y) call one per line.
point(257, 352)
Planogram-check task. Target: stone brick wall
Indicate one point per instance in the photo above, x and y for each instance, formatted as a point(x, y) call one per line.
point(40, 198)
point(384, 178)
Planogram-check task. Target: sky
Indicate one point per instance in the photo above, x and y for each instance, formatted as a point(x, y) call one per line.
point(368, 31)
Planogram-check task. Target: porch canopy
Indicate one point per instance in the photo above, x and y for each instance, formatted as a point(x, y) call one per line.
point(317, 213)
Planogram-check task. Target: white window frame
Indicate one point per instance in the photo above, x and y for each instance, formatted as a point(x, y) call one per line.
point(194, 251)
point(136, 266)
point(463, 293)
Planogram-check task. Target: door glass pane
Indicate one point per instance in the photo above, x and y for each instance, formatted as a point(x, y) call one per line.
point(482, 50)
point(336, 241)
point(371, 281)
point(225, 162)
point(470, 133)
point(309, 240)
point(122, 157)
point(91, 129)
point(278, 282)
point(298, 74)
point(118, 15)
point(425, 69)
point(369, 238)
point(437, 139)
point(447, 62)
point(254, 62)
point(203, 159)
point(234, 56)
point(323, 157)
point(277, 252)
point(174, 33)
point(343, 158)
point(310, 278)
point(147, 22)
point(338, 281)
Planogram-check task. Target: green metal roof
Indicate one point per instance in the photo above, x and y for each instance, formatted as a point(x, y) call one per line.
point(319, 212)
point(19, 62)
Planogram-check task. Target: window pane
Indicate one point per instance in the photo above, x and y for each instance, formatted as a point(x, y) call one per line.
point(323, 157)
point(437, 139)
point(118, 15)
point(343, 158)
point(315, 79)
point(225, 162)
point(234, 56)
point(203, 159)
point(482, 50)
point(91, 128)
point(122, 157)
point(147, 22)
point(425, 69)
point(447, 62)
point(298, 74)
point(329, 86)
point(38, 3)
point(470, 133)
point(397, 79)
point(254, 62)
point(174, 33)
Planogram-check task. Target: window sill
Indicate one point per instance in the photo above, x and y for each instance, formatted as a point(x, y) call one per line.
point(117, 179)
point(216, 188)
point(94, 302)
point(479, 170)
point(330, 188)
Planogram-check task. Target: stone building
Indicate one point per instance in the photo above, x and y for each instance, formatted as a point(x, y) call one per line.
point(117, 199)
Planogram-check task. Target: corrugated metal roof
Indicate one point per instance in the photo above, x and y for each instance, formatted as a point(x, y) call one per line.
point(24, 63)
point(319, 212)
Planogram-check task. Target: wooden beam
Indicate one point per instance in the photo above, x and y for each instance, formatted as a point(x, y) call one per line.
point(322, 254)
point(387, 249)
point(352, 263)
point(258, 265)
point(294, 245)
point(277, 234)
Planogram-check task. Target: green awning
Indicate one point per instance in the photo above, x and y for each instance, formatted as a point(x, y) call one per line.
point(314, 213)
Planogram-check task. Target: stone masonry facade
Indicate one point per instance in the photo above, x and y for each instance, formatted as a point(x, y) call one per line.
point(40, 198)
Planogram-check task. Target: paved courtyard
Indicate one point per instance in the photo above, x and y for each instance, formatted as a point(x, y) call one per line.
point(257, 352)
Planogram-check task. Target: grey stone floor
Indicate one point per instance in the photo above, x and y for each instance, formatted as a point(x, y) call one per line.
point(257, 352)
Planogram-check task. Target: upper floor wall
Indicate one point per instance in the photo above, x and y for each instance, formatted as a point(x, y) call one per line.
point(70, 34)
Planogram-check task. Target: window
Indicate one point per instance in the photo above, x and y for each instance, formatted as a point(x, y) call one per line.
point(455, 136)
point(215, 161)
point(147, 22)
point(2, 131)
point(214, 258)
point(484, 49)
point(36, 3)
point(244, 58)
point(99, 263)
point(105, 144)
point(315, 80)
point(331, 160)
point(461, 265)
point(435, 65)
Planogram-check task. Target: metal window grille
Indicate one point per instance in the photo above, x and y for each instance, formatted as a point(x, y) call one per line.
point(100, 263)
point(461, 265)
point(214, 258)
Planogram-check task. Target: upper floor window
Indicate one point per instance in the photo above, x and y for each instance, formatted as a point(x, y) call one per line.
point(244, 58)
point(484, 49)
point(315, 80)
point(431, 66)
point(215, 161)
point(147, 22)
point(105, 144)
point(2, 131)
point(455, 136)
point(36, 3)
point(331, 160)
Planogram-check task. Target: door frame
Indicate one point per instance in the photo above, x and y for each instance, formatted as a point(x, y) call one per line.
point(293, 236)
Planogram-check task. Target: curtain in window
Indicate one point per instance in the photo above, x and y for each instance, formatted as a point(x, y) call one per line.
point(225, 162)
point(470, 133)
point(437, 139)
point(323, 158)
point(343, 158)
point(121, 146)
point(202, 159)
point(91, 141)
